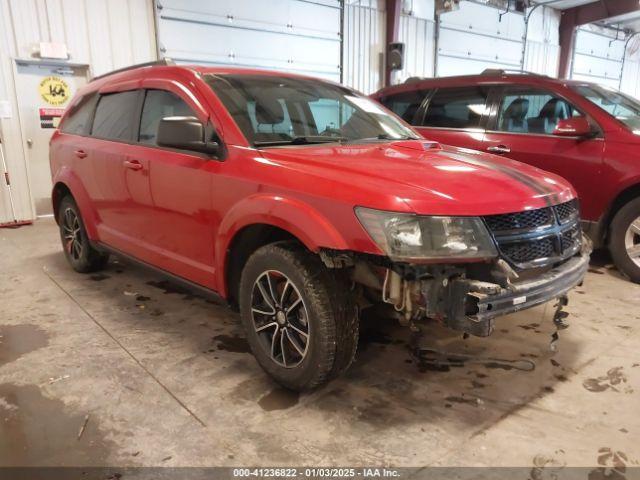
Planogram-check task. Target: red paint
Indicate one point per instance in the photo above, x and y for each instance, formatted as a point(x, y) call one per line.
point(600, 168)
point(180, 212)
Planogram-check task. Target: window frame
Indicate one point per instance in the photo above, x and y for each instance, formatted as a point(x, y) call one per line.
point(500, 91)
point(482, 126)
point(208, 126)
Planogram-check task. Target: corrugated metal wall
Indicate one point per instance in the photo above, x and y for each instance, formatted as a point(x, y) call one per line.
point(631, 73)
point(105, 35)
point(364, 44)
point(542, 54)
point(418, 36)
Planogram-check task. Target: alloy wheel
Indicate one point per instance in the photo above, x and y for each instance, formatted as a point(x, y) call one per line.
point(280, 318)
point(632, 241)
point(72, 234)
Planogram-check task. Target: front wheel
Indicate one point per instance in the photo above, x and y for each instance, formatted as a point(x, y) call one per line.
point(299, 317)
point(624, 242)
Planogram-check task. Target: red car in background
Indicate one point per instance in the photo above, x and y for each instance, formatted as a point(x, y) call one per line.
point(586, 133)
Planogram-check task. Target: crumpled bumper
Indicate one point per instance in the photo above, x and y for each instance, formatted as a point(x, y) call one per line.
point(472, 305)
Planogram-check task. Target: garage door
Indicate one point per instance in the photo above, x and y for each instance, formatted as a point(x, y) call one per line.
point(300, 36)
point(472, 39)
point(598, 56)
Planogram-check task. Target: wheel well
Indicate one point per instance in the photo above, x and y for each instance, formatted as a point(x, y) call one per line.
point(244, 243)
point(60, 190)
point(620, 201)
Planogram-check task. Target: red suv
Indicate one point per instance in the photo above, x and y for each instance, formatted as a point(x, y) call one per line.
point(303, 202)
point(586, 133)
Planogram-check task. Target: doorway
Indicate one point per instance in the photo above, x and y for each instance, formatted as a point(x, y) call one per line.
point(44, 90)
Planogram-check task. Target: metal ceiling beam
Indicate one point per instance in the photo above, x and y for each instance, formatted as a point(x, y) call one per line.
point(583, 14)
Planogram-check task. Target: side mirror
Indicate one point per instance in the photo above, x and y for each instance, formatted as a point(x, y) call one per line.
point(185, 133)
point(573, 127)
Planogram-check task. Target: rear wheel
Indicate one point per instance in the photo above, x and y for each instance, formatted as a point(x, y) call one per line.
point(75, 242)
point(299, 317)
point(624, 243)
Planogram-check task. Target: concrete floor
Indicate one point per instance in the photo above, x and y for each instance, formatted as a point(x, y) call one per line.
point(166, 380)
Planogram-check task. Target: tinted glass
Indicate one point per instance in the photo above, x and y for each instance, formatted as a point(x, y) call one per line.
point(621, 106)
point(114, 115)
point(456, 108)
point(157, 105)
point(79, 116)
point(281, 110)
point(533, 111)
point(405, 104)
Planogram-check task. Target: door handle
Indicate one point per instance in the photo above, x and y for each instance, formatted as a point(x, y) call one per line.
point(80, 153)
point(499, 149)
point(132, 164)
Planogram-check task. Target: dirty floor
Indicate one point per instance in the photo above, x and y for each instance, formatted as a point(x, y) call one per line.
point(121, 368)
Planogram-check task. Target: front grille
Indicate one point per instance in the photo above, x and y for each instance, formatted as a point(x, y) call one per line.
point(567, 211)
point(524, 252)
point(515, 221)
point(540, 237)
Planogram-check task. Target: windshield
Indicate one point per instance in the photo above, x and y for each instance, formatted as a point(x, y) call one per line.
point(273, 111)
point(622, 107)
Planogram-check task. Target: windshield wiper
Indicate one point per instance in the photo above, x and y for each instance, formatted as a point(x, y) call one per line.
point(303, 140)
point(383, 136)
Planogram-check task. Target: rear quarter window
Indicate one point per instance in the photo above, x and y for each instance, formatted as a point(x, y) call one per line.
point(78, 119)
point(405, 104)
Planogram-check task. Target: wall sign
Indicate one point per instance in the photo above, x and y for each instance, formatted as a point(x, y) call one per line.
point(50, 117)
point(54, 90)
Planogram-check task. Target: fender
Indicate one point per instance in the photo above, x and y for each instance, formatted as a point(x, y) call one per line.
point(301, 220)
point(91, 218)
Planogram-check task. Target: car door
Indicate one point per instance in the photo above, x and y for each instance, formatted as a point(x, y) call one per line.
point(116, 183)
point(455, 116)
point(179, 227)
point(521, 127)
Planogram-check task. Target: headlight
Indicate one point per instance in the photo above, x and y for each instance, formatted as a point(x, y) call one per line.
point(405, 236)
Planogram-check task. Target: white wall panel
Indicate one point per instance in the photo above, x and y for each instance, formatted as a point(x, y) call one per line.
point(418, 36)
point(289, 35)
point(105, 34)
point(364, 45)
point(631, 74)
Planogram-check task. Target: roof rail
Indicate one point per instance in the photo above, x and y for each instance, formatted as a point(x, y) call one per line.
point(414, 79)
point(164, 61)
point(500, 71)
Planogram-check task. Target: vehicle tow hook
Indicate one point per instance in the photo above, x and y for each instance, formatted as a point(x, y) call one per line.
point(559, 317)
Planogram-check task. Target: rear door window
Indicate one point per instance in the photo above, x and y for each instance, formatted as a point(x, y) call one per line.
point(532, 111)
point(114, 116)
point(157, 105)
point(405, 104)
point(457, 108)
point(78, 119)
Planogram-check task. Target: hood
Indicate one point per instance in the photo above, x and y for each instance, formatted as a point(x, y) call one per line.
point(423, 177)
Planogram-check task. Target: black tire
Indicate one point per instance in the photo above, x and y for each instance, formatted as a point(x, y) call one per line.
point(327, 308)
point(75, 243)
point(617, 246)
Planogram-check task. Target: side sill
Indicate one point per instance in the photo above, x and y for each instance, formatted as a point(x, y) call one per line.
point(195, 288)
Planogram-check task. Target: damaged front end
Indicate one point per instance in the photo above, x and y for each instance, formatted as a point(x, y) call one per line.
point(539, 256)
point(469, 298)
